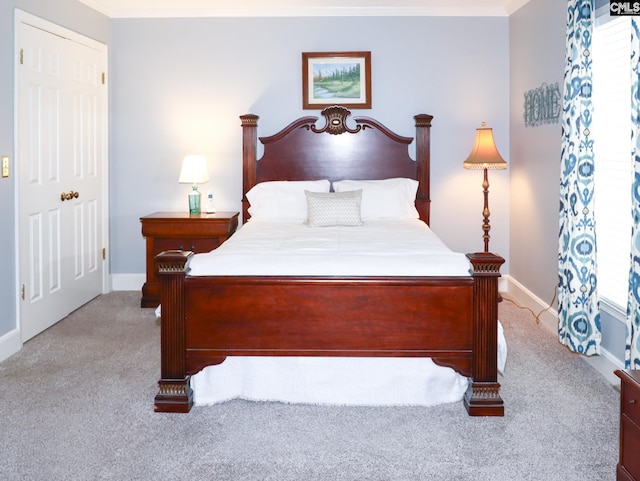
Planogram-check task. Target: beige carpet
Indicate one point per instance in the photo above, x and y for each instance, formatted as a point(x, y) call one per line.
point(77, 404)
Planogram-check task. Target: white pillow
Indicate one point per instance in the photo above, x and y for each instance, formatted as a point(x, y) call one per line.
point(283, 199)
point(327, 209)
point(384, 199)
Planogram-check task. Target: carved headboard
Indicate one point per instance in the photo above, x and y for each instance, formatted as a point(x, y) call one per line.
point(357, 148)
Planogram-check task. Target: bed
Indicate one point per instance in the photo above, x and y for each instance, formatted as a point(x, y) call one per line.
point(452, 319)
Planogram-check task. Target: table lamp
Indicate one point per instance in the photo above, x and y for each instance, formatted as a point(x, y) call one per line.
point(194, 171)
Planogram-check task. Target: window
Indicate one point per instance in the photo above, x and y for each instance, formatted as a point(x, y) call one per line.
point(612, 151)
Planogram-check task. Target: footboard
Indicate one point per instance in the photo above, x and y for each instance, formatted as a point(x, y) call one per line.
point(453, 320)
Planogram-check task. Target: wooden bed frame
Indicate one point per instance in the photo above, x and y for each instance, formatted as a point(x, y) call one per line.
point(453, 320)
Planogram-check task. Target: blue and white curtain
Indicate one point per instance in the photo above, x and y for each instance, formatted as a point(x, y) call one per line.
point(578, 305)
point(632, 355)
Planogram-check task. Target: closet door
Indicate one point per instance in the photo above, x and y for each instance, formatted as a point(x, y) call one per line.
point(60, 124)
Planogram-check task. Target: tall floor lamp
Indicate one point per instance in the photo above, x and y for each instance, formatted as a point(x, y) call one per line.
point(485, 155)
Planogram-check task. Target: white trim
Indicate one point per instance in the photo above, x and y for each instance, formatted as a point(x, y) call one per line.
point(41, 23)
point(515, 5)
point(16, 207)
point(503, 283)
point(310, 12)
point(106, 280)
point(614, 310)
point(265, 10)
point(99, 6)
point(127, 282)
point(10, 344)
point(526, 298)
point(605, 364)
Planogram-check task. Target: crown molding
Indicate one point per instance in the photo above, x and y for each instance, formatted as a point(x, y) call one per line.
point(515, 5)
point(318, 11)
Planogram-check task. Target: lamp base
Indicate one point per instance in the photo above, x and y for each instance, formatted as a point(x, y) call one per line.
point(194, 202)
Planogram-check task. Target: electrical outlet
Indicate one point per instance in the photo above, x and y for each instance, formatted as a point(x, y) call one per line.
point(5, 166)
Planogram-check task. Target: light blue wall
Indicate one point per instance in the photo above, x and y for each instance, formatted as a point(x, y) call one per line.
point(537, 37)
point(179, 85)
point(74, 16)
point(537, 41)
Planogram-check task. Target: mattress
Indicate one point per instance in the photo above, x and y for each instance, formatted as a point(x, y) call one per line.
point(405, 247)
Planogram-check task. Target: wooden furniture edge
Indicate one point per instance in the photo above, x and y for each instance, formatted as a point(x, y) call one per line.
point(249, 123)
point(483, 394)
point(175, 394)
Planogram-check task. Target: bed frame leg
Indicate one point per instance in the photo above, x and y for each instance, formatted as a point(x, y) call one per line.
point(483, 399)
point(175, 394)
point(483, 395)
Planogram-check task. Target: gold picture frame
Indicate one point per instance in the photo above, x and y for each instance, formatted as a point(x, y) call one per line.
point(336, 78)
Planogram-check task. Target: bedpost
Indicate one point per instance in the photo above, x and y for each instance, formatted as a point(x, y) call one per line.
point(483, 395)
point(423, 168)
point(249, 158)
point(175, 394)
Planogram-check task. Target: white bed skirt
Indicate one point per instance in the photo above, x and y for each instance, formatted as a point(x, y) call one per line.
point(334, 380)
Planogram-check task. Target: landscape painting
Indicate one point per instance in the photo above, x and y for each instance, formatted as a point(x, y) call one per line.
point(336, 78)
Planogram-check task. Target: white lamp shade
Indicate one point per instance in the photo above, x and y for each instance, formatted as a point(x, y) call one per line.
point(194, 170)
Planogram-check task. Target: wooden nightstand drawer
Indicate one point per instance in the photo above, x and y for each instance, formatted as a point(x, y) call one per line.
point(630, 447)
point(629, 461)
point(179, 230)
point(194, 244)
point(630, 405)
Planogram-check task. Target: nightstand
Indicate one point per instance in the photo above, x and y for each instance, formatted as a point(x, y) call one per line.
point(629, 461)
point(181, 230)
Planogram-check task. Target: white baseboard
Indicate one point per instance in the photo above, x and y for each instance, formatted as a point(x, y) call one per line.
point(127, 282)
point(526, 298)
point(605, 363)
point(10, 344)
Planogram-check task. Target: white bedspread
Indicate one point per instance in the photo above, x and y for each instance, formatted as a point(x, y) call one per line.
point(385, 248)
point(381, 247)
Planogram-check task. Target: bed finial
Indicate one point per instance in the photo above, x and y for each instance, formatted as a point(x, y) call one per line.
point(423, 120)
point(336, 117)
point(249, 120)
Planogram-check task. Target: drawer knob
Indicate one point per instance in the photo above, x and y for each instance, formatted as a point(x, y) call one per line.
point(632, 401)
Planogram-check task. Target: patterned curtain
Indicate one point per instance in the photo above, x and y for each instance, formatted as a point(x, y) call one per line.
point(632, 355)
point(578, 305)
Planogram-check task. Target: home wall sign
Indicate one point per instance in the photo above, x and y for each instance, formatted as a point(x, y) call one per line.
point(542, 105)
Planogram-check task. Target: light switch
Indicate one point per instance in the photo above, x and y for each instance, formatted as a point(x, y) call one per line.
point(5, 166)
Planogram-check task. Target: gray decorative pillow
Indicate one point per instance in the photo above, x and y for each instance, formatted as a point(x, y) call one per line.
point(325, 209)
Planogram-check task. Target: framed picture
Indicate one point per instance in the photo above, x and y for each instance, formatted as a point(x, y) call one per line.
point(336, 78)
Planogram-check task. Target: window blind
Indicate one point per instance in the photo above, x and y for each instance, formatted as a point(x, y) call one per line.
point(612, 152)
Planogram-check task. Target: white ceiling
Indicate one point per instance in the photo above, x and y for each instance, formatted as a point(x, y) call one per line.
point(296, 8)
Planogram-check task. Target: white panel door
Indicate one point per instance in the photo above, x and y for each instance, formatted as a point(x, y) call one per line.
point(60, 186)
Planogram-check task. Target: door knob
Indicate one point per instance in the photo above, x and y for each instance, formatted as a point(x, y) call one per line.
point(68, 196)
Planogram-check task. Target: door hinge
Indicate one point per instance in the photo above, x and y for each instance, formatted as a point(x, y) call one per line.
point(103, 78)
point(22, 293)
point(21, 56)
point(104, 253)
